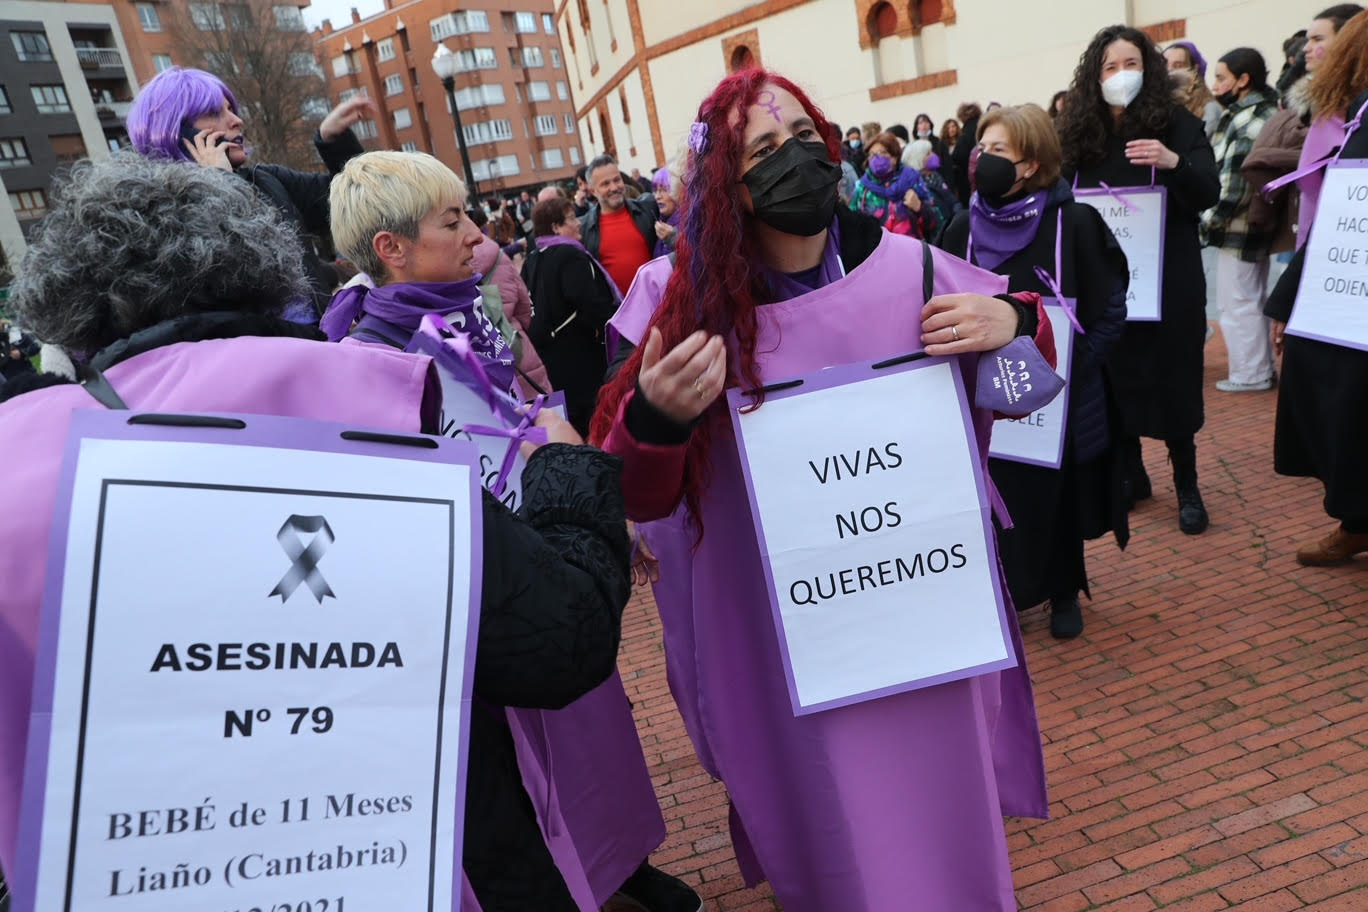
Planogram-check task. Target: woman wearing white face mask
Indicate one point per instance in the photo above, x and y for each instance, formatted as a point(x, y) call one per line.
point(1120, 126)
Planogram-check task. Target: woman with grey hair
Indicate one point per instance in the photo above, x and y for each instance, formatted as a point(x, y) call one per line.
point(166, 282)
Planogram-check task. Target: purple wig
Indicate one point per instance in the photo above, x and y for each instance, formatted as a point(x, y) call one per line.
point(174, 97)
point(661, 180)
point(1193, 54)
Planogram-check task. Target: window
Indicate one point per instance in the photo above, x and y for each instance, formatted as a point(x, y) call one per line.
point(478, 96)
point(68, 148)
point(532, 57)
point(366, 129)
point(574, 155)
point(302, 63)
point(339, 65)
point(402, 119)
point(555, 58)
point(348, 94)
point(562, 91)
point(4, 102)
point(548, 24)
point(394, 84)
point(13, 153)
point(569, 123)
point(207, 17)
point(477, 59)
point(147, 15)
point(162, 62)
point(314, 108)
point(220, 62)
point(553, 158)
point(28, 204)
point(538, 91)
point(525, 23)
point(546, 124)
point(459, 24)
point(503, 166)
point(384, 50)
point(409, 147)
point(442, 27)
point(488, 131)
point(31, 45)
point(288, 18)
point(50, 99)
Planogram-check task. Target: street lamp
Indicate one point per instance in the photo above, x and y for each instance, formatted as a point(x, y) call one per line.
point(445, 64)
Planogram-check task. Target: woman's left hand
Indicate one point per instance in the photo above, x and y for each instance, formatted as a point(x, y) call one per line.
point(954, 324)
point(912, 201)
point(1151, 153)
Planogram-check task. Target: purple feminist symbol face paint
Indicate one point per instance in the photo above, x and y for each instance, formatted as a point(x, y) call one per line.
point(771, 104)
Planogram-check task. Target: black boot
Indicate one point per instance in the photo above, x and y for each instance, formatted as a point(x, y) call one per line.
point(1066, 618)
point(655, 891)
point(1192, 514)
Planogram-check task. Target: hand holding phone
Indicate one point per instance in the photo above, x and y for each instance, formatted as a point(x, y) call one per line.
point(204, 152)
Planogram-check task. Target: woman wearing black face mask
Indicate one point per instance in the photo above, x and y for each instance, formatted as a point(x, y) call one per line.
point(1023, 220)
point(1120, 126)
point(773, 280)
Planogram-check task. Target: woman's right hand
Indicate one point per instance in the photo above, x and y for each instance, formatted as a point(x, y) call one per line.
point(683, 383)
point(204, 151)
point(558, 430)
point(1275, 333)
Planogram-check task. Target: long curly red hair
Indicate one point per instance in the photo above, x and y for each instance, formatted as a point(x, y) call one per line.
point(717, 283)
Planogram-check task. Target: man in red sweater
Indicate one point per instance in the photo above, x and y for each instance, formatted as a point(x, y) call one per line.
point(618, 232)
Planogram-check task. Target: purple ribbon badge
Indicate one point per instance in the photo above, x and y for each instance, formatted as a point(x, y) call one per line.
point(1016, 380)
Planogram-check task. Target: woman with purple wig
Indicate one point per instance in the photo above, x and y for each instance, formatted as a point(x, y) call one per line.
point(192, 116)
point(668, 187)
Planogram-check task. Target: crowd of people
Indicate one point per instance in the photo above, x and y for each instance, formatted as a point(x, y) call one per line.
point(766, 250)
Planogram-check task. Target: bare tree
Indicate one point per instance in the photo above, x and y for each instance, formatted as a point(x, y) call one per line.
point(266, 56)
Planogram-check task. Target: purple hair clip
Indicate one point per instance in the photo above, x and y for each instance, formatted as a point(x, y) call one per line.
point(698, 137)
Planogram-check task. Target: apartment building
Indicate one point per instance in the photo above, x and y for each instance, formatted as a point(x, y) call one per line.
point(66, 82)
point(512, 91)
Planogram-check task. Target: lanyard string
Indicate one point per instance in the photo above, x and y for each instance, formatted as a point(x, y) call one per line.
point(1052, 281)
point(1329, 158)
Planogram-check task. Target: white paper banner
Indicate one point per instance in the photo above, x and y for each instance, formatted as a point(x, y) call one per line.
point(1038, 439)
point(1332, 302)
point(462, 408)
point(1139, 229)
point(220, 744)
point(875, 535)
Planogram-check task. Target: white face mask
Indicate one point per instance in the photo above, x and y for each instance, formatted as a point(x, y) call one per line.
point(1120, 89)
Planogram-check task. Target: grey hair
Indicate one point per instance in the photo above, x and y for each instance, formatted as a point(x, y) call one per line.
point(131, 242)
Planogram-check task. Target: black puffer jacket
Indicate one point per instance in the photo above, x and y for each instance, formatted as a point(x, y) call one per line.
point(556, 577)
point(302, 196)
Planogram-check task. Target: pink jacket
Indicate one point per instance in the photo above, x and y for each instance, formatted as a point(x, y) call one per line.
point(517, 306)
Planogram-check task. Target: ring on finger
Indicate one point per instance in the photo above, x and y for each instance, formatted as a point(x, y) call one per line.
point(954, 333)
point(698, 385)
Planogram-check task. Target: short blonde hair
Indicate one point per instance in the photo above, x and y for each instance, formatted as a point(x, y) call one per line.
point(1033, 134)
point(386, 191)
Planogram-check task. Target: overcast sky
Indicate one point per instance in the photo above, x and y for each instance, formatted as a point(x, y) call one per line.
point(339, 11)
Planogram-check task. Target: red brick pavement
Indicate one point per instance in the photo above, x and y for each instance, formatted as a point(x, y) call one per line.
point(1204, 738)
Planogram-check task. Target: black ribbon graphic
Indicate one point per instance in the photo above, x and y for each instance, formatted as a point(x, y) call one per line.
point(304, 568)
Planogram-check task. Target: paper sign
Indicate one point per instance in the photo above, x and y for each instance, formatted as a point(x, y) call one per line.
point(875, 532)
point(255, 670)
point(1038, 439)
point(1135, 216)
point(1332, 302)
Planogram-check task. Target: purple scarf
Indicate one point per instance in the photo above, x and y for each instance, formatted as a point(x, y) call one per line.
point(557, 240)
point(404, 304)
point(996, 234)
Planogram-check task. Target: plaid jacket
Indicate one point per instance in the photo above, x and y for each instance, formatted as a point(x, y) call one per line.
point(1226, 225)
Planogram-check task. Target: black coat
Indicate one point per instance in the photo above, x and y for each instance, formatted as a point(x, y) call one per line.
point(302, 197)
point(1054, 511)
point(960, 156)
point(645, 213)
point(555, 579)
point(1322, 424)
point(572, 300)
point(1156, 369)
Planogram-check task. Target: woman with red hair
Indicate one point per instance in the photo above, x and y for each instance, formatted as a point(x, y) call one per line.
point(894, 803)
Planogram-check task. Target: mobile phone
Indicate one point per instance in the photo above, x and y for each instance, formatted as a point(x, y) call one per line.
point(189, 133)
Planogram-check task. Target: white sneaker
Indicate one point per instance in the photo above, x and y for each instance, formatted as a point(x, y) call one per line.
point(1234, 386)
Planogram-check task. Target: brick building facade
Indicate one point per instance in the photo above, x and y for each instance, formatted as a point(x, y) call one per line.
point(512, 90)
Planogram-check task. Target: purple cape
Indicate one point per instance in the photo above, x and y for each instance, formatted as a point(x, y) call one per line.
point(894, 803)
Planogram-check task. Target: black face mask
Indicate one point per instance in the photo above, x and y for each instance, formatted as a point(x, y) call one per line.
point(794, 189)
point(995, 176)
point(1226, 99)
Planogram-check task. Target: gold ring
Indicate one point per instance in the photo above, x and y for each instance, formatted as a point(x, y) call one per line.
point(698, 385)
point(954, 331)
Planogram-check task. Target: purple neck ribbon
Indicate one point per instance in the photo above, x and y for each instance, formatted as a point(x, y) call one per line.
point(785, 287)
point(404, 304)
point(1350, 129)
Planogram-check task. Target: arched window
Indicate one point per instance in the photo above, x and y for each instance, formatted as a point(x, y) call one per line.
point(742, 58)
point(927, 12)
point(882, 21)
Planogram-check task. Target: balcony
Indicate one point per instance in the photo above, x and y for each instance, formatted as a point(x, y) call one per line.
point(113, 110)
point(99, 58)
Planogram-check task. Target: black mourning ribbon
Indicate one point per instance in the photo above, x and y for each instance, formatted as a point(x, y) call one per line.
point(305, 558)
